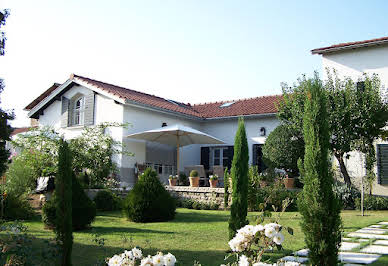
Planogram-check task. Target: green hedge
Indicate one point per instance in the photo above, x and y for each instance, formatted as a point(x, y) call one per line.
point(17, 208)
point(106, 200)
point(372, 203)
point(198, 205)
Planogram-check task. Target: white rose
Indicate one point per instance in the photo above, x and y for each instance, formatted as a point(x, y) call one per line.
point(169, 259)
point(158, 260)
point(146, 261)
point(115, 260)
point(137, 253)
point(269, 232)
point(278, 238)
point(243, 261)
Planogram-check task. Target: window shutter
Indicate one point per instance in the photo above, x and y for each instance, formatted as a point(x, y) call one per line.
point(89, 109)
point(254, 154)
point(382, 164)
point(205, 154)
point(230, 153)
point(65, 112)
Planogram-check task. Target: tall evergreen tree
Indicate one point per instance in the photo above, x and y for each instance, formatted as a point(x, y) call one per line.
point(320, 209)
point(63, 190)
point(239, 173)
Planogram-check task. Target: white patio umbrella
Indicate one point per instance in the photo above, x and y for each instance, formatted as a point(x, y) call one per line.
point(177, 136)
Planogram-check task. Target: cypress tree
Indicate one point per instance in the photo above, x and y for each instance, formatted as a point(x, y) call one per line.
point(63, 191)
point(320, 209)
point(239, 173)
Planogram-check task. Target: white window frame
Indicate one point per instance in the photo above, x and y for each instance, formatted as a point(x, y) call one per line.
point(221, 157)
point(78, 112)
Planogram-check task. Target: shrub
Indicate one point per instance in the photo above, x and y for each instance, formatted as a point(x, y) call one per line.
point(347, 195)
point(197, 205)
point(149, 201)
point(187, 203)
point(19, 177)
point(372, 203)
point(194, 173)
point(239, 173)
point(214, 206)
point(282, 149)
point(84, 209)
point(17, 208)
point(106, 200)
point(183, 180)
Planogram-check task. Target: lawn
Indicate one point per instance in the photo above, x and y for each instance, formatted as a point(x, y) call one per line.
point(193, 235)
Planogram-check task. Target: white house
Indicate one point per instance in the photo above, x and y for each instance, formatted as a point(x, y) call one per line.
point(352, 60)
point(82, 101)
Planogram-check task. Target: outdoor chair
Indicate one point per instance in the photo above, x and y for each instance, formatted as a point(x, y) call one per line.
point(219, 171)
point(203, 179)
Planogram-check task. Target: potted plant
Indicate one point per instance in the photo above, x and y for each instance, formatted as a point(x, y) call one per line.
point(289, 182)
point(213, 179)
point(172, 180)
point(194, 178)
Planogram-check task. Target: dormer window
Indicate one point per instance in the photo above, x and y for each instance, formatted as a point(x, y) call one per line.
point(78, 111)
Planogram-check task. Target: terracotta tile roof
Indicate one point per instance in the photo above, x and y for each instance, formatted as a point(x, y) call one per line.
point(251, 106)
point(350, 45)
point(20, 130)
point(141, 98)
point(42, 96)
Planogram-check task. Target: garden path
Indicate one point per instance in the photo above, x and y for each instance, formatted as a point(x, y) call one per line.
point(361, 247)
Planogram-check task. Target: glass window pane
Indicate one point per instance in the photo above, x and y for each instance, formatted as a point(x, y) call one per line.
point(224, 152)
point(217, 153)
point(216, 161)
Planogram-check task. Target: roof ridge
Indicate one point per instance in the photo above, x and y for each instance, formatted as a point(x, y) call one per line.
point(346, 44)
point(238, 100)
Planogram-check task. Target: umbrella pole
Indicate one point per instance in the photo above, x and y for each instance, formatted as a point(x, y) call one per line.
point(177, 154)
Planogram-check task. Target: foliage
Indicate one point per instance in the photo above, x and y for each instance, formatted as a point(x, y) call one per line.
point(194, 173)
point(183, 180)
point(93, 152)
point(135, 256)
point(106, 200)
point(149, 201)
point(347, 195)
point(253, 186)
point(372, 203)
point(63, 188)
point(19, 177)
point(84, 209)
point(357, 114)
point(213, 177)
point(197, 205)
point(226, 188)
point(319, 207)
point(3, 16)
point(239, 173)
point(280, 140)
point(16, 207)
point(19, 247)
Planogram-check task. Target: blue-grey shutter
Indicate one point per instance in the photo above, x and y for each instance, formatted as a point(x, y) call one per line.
point(382, 164)
point(89, 109)
point(65, 112)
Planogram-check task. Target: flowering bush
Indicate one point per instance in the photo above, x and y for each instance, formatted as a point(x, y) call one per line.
point(173, 177)
point(251, 241)
point(213, 177)
point(135, 257)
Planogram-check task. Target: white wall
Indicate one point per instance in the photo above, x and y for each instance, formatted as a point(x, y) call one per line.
point(226, 130)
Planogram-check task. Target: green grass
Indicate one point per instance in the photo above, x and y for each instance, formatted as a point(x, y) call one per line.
point(193, 235)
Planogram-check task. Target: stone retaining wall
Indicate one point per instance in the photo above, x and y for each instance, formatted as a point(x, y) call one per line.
point(92, 192)
point(201, 194)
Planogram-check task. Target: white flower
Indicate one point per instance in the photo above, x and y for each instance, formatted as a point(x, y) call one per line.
point(270, 232)
point(169, 259)
point(115, 260)
point(278, 238)
point(258, 228)
point(128, 254)
point(158, 260)
point(128, 262)
point(137, 253)
point(263, 264)
point(273, 225)
point(146, 261)
point(243, 261)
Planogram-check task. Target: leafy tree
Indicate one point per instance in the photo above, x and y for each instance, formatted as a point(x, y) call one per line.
point(5, 128)
point(320, 209)
point(63, 192)
point(239, 173)
point(226, 188)
point(280, 140)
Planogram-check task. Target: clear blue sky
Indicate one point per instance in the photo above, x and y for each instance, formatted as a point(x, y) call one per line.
point(190, 51)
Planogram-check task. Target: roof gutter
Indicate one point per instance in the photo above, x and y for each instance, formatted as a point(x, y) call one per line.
point(347, 47)
point(238, 116)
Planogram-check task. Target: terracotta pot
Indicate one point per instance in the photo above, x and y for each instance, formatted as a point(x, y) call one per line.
point(194, 181)
point(172, 182)
point(213, 183)
point(289, 182)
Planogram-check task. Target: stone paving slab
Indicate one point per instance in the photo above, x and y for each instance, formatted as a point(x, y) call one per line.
point(370, 236)
point(295, 259)
point(381, 242)
point(363, 240)
point(376, 231)
point(353, 257)
point(352, 264)
point(302, 253)
point(383, 223)
point(376, 249)
point(346, 239)
point(376, 225)
point(347, 246)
